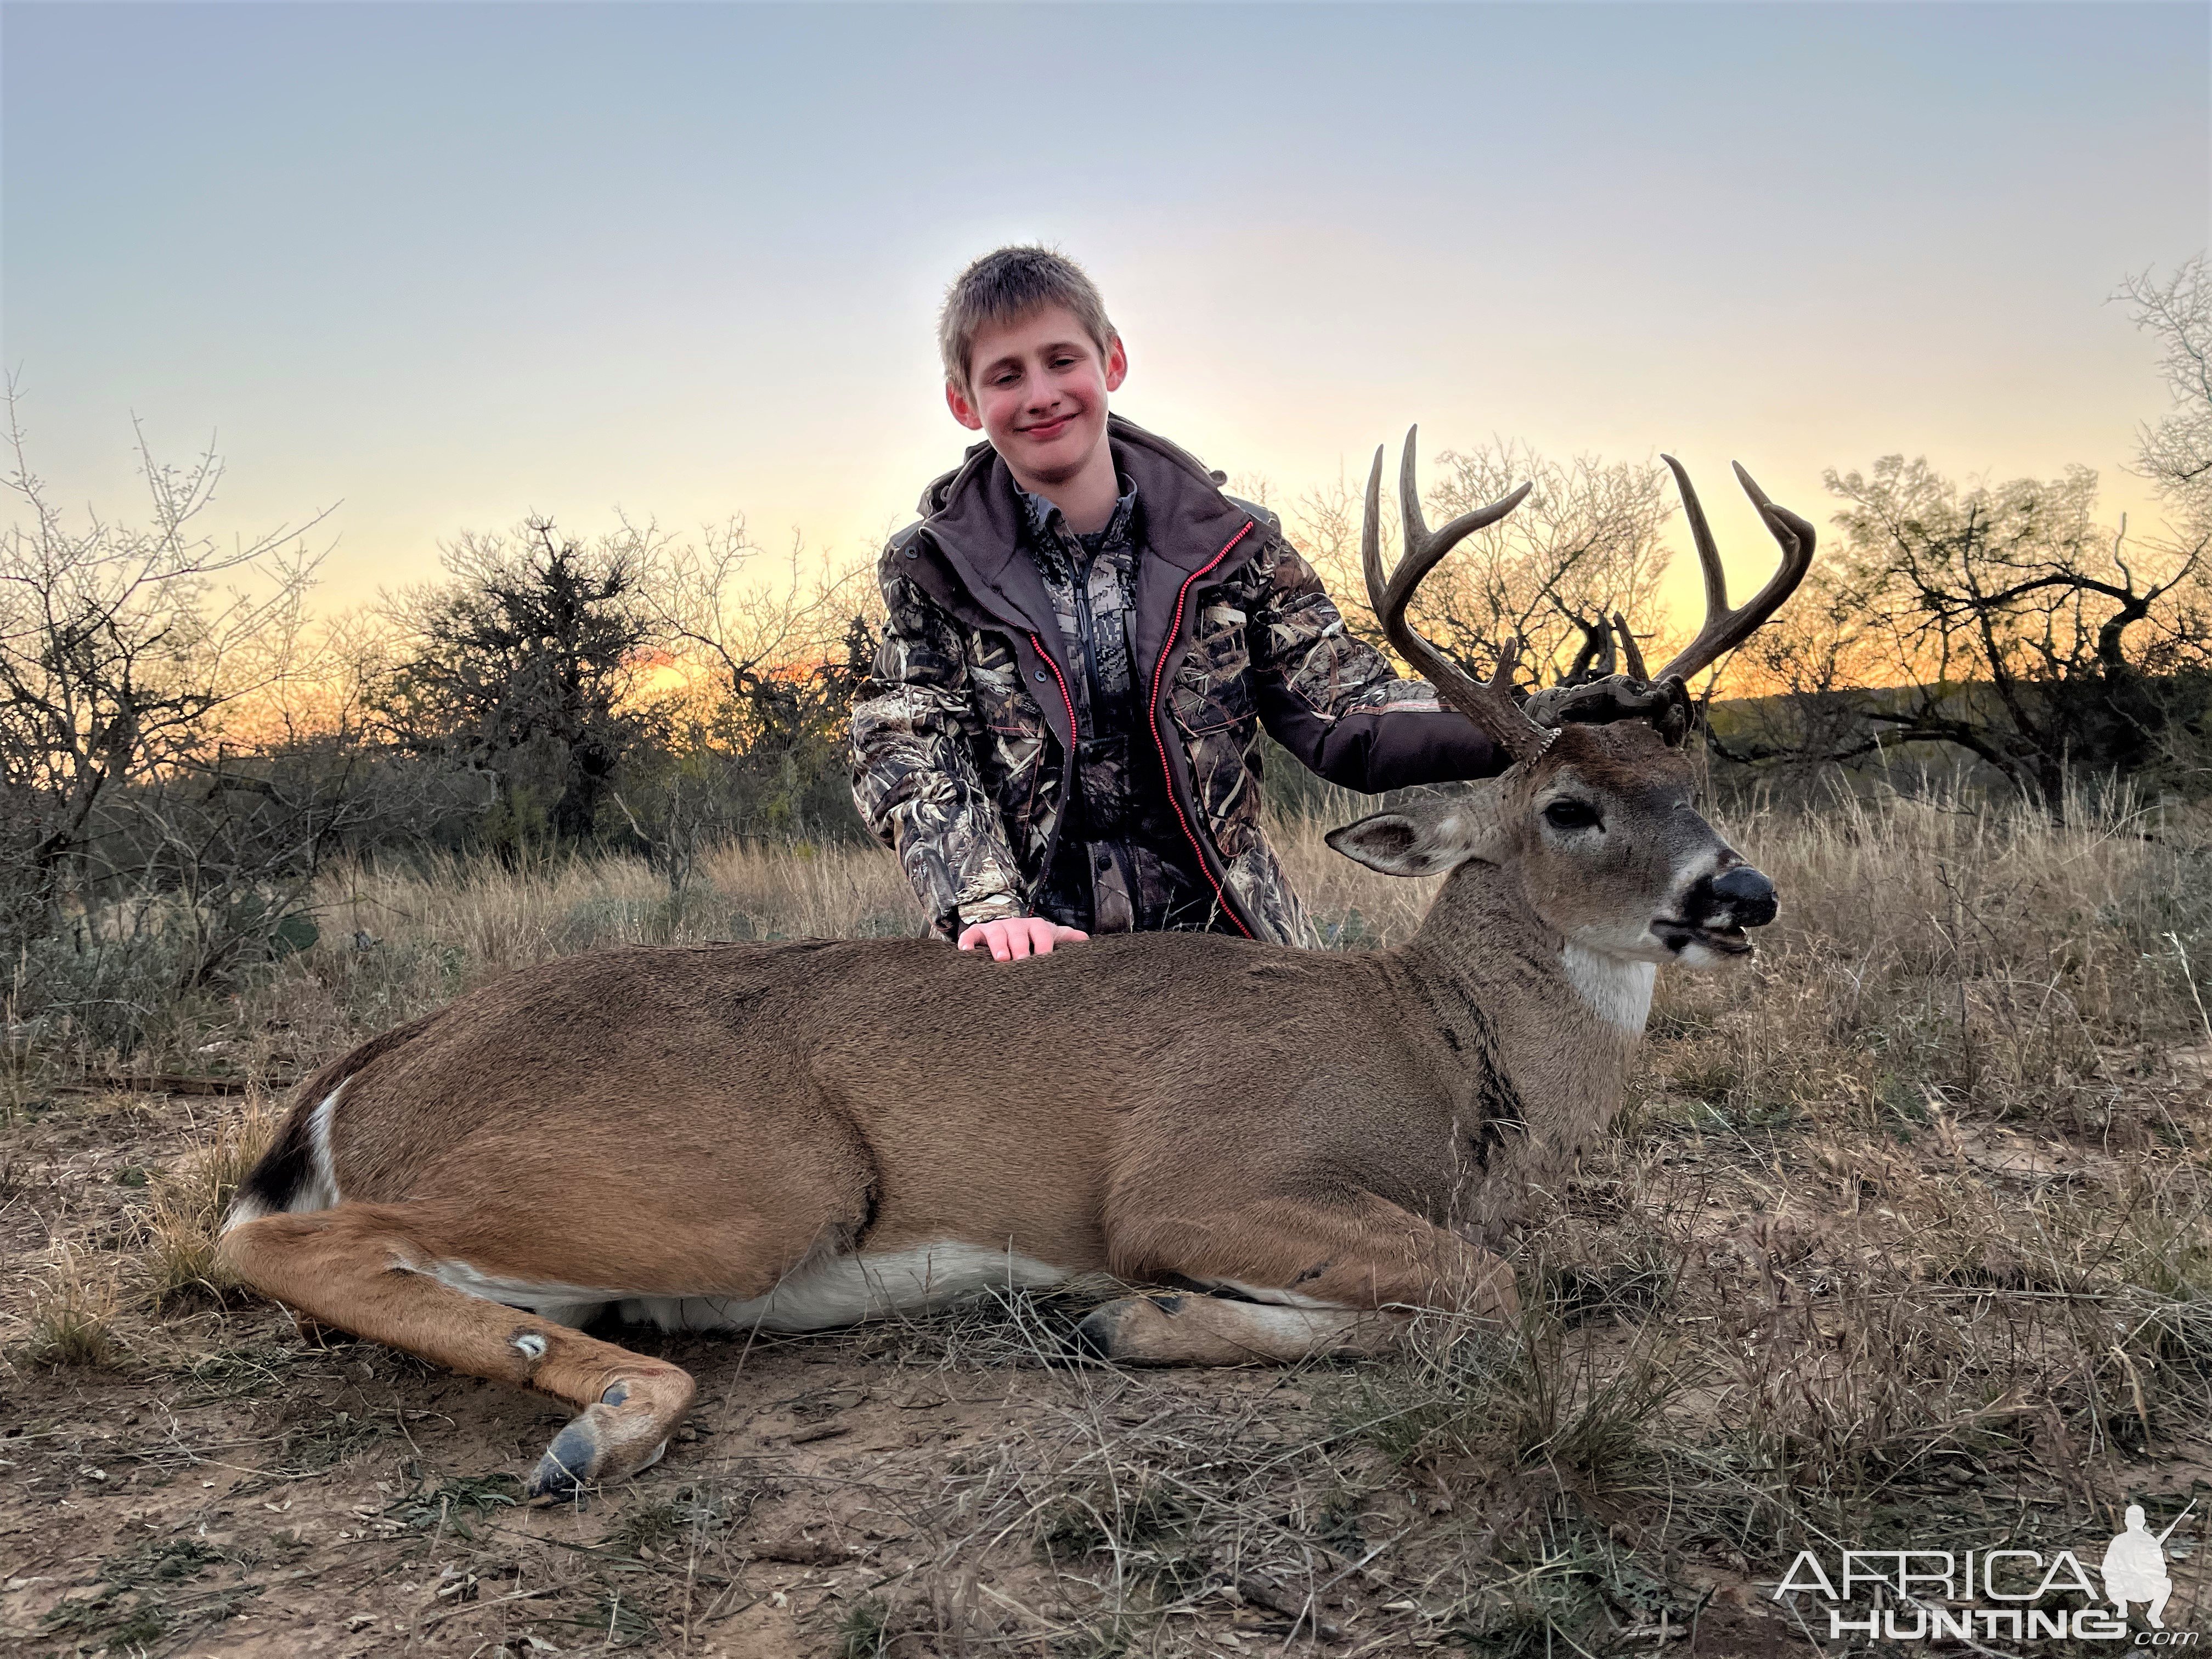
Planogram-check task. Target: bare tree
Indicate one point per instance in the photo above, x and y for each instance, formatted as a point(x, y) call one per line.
point(2005, 621)
point(528, 664)
point(118, 655)
point(714, 600)
point(2175, 451)
point(168, 797)
point(771, 658)
point(2001, 620)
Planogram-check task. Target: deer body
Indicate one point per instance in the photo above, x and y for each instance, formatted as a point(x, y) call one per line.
point(796, 1136)
point(779, 1106)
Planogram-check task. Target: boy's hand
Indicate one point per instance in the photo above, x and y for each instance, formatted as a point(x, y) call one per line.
point(1019, 936)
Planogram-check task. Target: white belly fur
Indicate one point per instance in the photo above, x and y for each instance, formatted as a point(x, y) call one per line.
point(819, 1294)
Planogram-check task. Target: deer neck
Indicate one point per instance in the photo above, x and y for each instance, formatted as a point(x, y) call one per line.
point(1618, 992)
point(1566, 1020)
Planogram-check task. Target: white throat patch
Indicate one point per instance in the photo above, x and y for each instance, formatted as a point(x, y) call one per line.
point(1619, 991)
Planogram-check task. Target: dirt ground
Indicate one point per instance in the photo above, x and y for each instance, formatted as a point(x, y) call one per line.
point(225, 1483)
point(228, 1484)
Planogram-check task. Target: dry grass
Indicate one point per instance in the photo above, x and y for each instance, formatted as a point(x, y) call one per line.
point(1903, 1239)
point(179, 1268)
point(72, 1317)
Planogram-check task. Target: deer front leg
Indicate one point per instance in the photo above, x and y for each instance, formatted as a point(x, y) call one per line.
point(1306, 1277)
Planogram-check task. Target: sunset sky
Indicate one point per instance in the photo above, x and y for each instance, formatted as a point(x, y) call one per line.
point(440, 264)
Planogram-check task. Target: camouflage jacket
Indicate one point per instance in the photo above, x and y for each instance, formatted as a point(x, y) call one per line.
point(961, 734)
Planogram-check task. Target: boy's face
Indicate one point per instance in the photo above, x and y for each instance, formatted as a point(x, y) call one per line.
point(1037, 389)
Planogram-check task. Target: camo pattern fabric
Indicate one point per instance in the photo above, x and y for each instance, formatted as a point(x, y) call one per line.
point(955, 768)
point(1122, 864)
point(1107, 562)
point(1270, 627)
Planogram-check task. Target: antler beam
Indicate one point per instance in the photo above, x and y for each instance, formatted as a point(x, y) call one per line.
point(1489, 703)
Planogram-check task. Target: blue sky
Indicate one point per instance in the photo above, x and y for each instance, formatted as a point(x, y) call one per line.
point(443, 263)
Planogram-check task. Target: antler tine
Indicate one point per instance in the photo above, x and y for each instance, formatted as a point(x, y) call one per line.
point(1593, 636)
point(1595, 648)
point(1725, 629)
point(1501, 676)
point(1630, 649)
point(1489, 703)
point(1425, 545)
point(1425, 548)
point(1709, 558)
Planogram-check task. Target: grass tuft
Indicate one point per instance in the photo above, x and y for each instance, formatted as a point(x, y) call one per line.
point(1571, 1400)
point(181, 1269)
point(72, 1315)
point(866, 1630)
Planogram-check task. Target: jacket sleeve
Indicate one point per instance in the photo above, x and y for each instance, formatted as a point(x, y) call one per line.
point(914, 777)
point(1334, 702)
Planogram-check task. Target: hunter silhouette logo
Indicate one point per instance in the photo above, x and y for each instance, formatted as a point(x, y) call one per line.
point(2135, 1567)
point(1972, 1596)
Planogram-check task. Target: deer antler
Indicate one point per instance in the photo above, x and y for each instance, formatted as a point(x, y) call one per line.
point(1630, 649)
point(1489, 703)
point(1596, 660)
point(1725, 629)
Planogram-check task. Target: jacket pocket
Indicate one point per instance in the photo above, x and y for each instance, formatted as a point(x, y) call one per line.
point(1002, 703)
point(1212, 687)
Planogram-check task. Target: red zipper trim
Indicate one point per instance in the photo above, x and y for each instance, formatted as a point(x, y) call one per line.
point(1167, 776)
point(1064, 698)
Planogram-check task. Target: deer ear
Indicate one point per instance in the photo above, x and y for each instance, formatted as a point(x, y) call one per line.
point(1423, 837)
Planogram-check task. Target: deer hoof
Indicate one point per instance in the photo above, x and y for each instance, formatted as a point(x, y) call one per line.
point(586, 1454)
point(620, 1435)
point(1118, 1330)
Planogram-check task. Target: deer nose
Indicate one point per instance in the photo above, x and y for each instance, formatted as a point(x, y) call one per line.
point(1737, 897)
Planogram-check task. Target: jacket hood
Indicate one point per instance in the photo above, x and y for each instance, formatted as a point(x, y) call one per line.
point(974, 514)
point(976, 463)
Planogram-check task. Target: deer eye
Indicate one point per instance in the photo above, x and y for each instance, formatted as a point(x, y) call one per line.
point(1572, 815)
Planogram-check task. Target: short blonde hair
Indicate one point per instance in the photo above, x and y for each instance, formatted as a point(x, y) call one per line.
point(1008, 283)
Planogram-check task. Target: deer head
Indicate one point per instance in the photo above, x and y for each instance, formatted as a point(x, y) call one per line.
point(1596, 813)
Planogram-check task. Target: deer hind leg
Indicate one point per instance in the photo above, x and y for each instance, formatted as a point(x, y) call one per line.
point(1306, 1277)
point(1207, 1329)
point(358, 1267)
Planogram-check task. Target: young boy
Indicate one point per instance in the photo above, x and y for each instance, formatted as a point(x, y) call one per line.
point(1084, 636)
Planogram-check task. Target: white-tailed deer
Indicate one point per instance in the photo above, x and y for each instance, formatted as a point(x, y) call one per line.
point(797, 1136)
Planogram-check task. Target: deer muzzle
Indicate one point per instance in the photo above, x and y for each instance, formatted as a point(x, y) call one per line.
point(1718, 908)
point(1741, 897)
